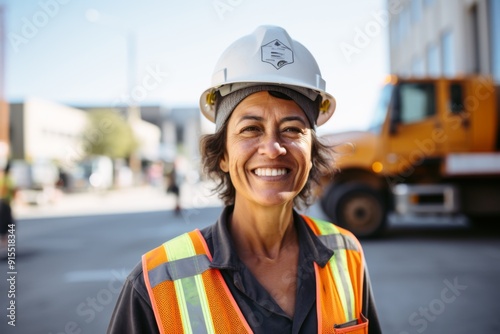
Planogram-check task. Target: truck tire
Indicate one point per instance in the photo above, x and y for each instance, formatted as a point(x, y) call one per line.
point(357, 208)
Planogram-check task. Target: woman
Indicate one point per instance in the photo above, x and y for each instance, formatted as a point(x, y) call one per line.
point(261, 267)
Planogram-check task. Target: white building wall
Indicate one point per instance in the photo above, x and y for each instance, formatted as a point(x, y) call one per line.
point(148, 136)
point(51, 130)
point(191, 140)
point(169, 144)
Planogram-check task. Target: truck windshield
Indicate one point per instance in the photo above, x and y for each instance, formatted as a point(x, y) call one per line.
point(381, 109)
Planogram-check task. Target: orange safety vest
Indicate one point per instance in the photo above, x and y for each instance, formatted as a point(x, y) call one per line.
point(187, 296)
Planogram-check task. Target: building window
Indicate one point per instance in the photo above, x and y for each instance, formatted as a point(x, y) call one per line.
point(395, 31)
point(448, 56)
point(475, 51)
point(405, 21)
point(494, 12)
point(417, 67)
point(401, 28)
point(433, 68)
point(416, 10)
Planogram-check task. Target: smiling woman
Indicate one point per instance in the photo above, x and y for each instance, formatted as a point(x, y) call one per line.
point(214, 146)
point(262, 267)
point(267, 136)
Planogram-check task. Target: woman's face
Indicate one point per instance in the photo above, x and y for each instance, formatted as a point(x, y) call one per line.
point(268, 150)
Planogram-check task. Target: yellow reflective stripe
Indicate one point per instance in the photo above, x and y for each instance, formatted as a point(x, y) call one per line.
point(176, 249)
point(190, 291)
point(343, 280)
point(325, 227)
point(333, 263)
point(339, 268)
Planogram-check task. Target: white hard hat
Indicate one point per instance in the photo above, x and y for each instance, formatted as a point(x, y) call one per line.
point(267, 56)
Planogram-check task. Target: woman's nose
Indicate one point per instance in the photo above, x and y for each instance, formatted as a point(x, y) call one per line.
point(271, 147)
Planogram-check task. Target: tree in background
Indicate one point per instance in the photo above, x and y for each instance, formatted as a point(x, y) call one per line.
point(109, 134)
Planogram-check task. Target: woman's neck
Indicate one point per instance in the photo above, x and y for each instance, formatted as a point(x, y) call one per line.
point(262, 231)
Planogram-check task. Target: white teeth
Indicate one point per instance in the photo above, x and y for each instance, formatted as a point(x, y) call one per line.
point(270, 171)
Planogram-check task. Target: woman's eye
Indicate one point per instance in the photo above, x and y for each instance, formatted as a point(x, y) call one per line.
point(293, 130)
point(250, 128)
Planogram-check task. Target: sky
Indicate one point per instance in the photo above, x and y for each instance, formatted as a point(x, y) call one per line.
point(86, 52)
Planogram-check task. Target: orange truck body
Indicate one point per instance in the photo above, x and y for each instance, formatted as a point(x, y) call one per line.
point(433, 148)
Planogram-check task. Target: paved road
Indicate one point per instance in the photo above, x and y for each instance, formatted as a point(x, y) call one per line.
point(69, 270)
point(427, 279)
point(436, 279)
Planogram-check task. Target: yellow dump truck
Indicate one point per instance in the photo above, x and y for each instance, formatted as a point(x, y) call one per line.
point(433, 148)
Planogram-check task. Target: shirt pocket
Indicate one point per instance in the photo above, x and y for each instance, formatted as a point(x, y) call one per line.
point(360, 328)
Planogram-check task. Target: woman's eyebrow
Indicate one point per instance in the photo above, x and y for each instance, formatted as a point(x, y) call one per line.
point(250, 117)
point(293, 118)
point(283, 120)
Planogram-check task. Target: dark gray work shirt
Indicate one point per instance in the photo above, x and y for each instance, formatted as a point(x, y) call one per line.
point(133, 312)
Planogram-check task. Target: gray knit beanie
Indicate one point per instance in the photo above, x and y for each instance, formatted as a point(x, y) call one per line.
point(226, 104)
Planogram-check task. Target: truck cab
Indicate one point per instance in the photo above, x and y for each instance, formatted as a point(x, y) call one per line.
point(432, 148)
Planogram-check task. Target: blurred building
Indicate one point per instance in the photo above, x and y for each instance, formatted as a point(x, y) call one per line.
point(179, 128)
point(442, 37)
point(45, 130)
point(187, 130)
point(148, 135)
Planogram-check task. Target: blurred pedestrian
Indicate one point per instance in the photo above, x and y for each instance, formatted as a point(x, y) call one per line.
point(262, 267)
point(62, 180)
point(7, 193)
point(174, 188)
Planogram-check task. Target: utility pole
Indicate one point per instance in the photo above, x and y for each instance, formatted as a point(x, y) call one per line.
point(4, 107)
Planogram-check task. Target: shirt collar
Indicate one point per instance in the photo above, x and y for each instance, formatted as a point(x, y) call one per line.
point(224, 252)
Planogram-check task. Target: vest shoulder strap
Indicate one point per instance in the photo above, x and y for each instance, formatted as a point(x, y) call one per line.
point(187, 296)
point(345, 267)
point(332, 236)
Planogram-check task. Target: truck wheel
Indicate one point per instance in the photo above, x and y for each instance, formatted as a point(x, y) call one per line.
point(357, 208)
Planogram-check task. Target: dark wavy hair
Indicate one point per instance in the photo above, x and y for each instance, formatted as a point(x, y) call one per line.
point(213, 147)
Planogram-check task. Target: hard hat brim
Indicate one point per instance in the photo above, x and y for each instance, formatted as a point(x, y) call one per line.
point(207, 105)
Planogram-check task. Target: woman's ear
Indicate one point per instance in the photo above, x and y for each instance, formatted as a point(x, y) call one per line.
point(223, 164)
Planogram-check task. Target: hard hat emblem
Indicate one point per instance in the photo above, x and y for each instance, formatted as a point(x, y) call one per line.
point(325, 105)
point(277, 54)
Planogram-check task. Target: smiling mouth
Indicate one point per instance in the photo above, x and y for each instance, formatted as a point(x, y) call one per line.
point(270, 171)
